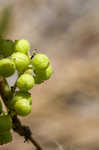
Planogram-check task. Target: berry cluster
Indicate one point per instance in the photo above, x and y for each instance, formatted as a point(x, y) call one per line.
point(31, 70)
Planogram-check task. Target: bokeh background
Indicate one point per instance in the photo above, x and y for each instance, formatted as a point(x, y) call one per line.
point(65, 113)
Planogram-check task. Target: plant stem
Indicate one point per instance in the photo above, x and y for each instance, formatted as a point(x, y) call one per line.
point(24, 131)
point(17, 126)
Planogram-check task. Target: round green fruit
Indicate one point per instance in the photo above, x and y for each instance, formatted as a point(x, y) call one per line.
point(19, 95)
point(40, 62)
point(45, 74)
point(5, 137)
point(41, 76)
point(38, 79)
point(25, 82)
point(5, 123)
point(7, 47)
point(23, 95)
point(21, 46)
point(21, 61)
point(48, 72)
point(7, 67)
point(22, 107)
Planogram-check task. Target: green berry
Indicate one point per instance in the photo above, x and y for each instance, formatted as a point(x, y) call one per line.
point(21, 46)
point(19, 95)
point(22, 107)
point(21, 61)
point(7, 47)
point(29, 69)
point(44, 74)
point(40, 62)
point(38, 79)
point(0, 107)
point(5, 123)
point(5, 137)
point(7, 67)
point(41, 76)
point(25, 82)
point(23, 95)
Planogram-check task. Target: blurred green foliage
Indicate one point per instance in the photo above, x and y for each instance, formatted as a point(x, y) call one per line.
point(4, 23)
point(5, 20)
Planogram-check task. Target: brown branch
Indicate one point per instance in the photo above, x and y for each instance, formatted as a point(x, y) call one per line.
point(17, 126)
point(24, 131)
point(2, 91)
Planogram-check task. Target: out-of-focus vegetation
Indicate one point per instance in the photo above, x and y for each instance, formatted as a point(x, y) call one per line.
point(5, 19)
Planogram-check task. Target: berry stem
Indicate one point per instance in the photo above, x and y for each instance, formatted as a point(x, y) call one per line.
point(2, 90)
point(13, 88)
point(17, 126)
point(35, 51)
point(24, 131)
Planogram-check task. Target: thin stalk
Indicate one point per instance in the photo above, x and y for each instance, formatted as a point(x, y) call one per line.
point(17, 126)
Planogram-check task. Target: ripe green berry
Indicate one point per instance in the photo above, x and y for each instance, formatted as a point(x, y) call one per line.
point(21, 61)
point(7, 67)
point(44, 74)
point(48, 72)
point(19, 95)
point(25, 82)
point(40, 62)
point(21, 46)
point(22, 107)
point(23, 95)
point(5, 137)
point(7, 47)
point(0, 107)
point(38, 79)
point(41, 76)
point(5, 123)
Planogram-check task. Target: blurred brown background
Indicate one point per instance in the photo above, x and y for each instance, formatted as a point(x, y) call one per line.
point(65, 114)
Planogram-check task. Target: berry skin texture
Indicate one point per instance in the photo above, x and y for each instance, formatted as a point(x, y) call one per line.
point(22, 107)
point(7, 89)
point(21, 61)
point(5, 123)
point(21, 46)
point(45, 74)
point(40, 62)
point(7, 47)
point(19, 95)
point(38, 79)
point(7, 67)
point(25, 82)
point(23, 95)
point(48, 72)
point(5, 137)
